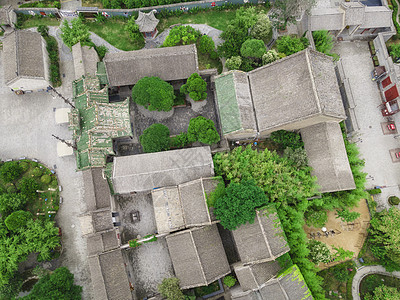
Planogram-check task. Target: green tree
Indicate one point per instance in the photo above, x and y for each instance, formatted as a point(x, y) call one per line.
point(10, 203)
point(394, 50)
point(77, 32)
point(323, 41)
point(384, 292)
point(196, 87)
point(341, 273)
point(262, 29)
point(384, 238)
point(57, 285)
point(43, 30)
point(341, 254)
point(298, 157)
point(17, 220)
point(133, 30)
point(285, 11)
point(253, 48)
point(290, 45)
point(28, 187)
point(202, 130)
point(154, 94)
point(206, 44)
point(270, 57)
point(237, 206)
point(319, 252)
point(229, 281)
point(316, 217)
point(155, 138)
point(287, 139)
point(10, 171)
point(346, 216)
point(233, 63)
point(169, 288)
point(181, 35)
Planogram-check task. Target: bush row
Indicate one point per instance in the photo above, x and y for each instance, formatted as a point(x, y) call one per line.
point(52, 50)
point(394, 16)
point(42, 4)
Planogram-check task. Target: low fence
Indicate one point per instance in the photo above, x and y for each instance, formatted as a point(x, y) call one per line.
point(88, 11)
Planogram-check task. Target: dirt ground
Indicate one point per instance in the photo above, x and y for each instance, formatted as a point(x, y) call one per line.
point(349, 236)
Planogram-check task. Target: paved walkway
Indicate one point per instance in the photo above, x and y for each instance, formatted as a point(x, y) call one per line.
point(364, 271)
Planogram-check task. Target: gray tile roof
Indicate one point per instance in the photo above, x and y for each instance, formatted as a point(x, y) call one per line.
point(97, 191)
point(144, 172)
point(171, 63)
point(263, 240)
point(102, 220)
point(252, 277)
point(102, 242)
point(327, 156)
point(198, 256)
point(109, 278)
point(85, 60)
point(295, 88)
point(23, 56)
point(7, 15)
point(234, 102)
point(147, 22)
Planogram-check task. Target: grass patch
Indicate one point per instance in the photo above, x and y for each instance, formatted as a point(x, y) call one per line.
point(113, 32)
point(370, 282)
point(31, 21)
point(206, 62)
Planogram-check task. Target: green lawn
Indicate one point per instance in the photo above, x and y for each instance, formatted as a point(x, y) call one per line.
point(113, 32)
point(35, 22)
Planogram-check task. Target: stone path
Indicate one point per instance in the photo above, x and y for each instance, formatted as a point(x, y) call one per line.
point(203, 28)
point(367, 270)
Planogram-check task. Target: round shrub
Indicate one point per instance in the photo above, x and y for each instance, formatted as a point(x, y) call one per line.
point(196, 87)
point(253, 48)
point(46, 179)
point(202, 130)
point(319, 252)
point(155, 138)
point(37, 172)
point(17, 220)
point(206, 44)
point(54, 182)
point(10, 171)
point(393, 200)
point(229, 281)
point(233, 63)
point(24, 165)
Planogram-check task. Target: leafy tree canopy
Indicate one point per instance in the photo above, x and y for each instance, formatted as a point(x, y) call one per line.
point(28, 187)
point(10, 171)
point(196, 87)
point(384, 292)
point(287, 139)
point(169, 288)
point(77, 32)
point(10, 203)
point(290, 45)
point(57, 285)
point(154, 94)
point(297, 157)
point(323, 41)
point(133, 30)
point(285, 11)
point(316, 217)
point(270, 57)
point(237, 206)
point(206, 44)
point(202, 130)
point(346, 216)
point(155, 138)
point(233, 63)
point(17, 220)
point(395, 50)
point(319, 252)
point(262, 29)
point(253, 48)
point(181, 35)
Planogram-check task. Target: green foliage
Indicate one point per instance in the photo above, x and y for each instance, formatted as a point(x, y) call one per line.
point(319, 252)
point(286, 11)
point(57, 285)
point(52, 50)
point(196, 87)
point(290, 45)
point(323, 41)
point(393, 200)
point(181, 35)
point(37, 172)
point(229, 281)
point(46, 179)
point(43, 30)
point(287, 139)
point(24, 165)
point(298, 157)
point(253, 48)
point(342, 254)
point(133, 30)
point(219, 192)
point(384, 292)
point(169, 288)
point(341, 273)
point(262, 29)
point(154, 94)
point(10, 171)
point(17, 220)
point(77, 32)
point(202, 130)
point(11, 189)
point(179, 141)
point(155, 138)
point(28, 187)
point(375, 191)
point(233, 63)
point(384, 238)
point(316, 217)
point(237, 206)
point(346, 216)
point(101, 51)
point(10, 203)
point(206, 44)
point(270, 57)
point(134, 243)
point(394, 16)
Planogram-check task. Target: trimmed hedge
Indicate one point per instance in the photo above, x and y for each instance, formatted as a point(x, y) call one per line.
point(393, 200)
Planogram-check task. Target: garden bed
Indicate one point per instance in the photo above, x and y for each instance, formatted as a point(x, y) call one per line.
point(28, 21)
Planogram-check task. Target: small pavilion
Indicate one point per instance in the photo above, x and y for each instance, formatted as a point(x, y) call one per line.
point(147, 23)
